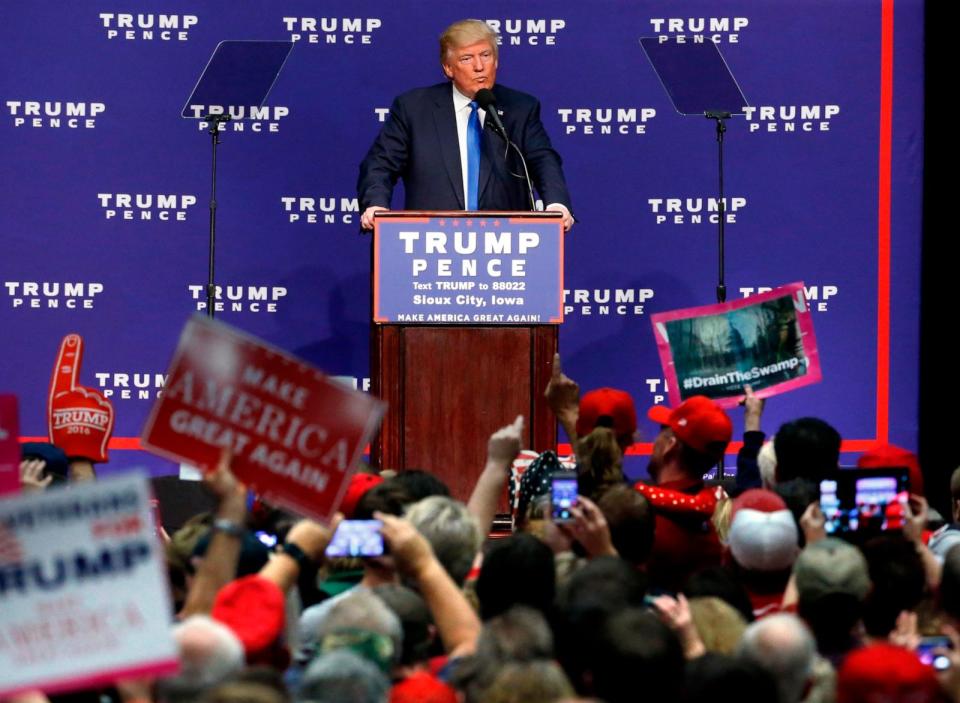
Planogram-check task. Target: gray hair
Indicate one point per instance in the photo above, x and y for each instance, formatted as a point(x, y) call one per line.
point(209, 654)
point(342, 676)
point(782, 645)
point(451, 530)
point(362, 610)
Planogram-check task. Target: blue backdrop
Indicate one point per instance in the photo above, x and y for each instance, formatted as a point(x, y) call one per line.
point(104, 205)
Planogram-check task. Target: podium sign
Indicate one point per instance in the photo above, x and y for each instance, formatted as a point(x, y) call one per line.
point(468, 268)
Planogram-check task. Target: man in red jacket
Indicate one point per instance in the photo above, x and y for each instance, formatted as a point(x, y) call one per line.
point(693, 438)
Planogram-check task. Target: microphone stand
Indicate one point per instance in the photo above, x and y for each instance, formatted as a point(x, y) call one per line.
point(526, 175)
point(523, 162)
point(214, 122)
point(719, 116)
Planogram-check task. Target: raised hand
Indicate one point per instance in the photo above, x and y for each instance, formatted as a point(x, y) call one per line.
point(590, 528)
point(504, 444)
point(813, 523)
point(31, 475)
point(411, 551)
point(80, 419)
point(752, 410)
point(563, 394)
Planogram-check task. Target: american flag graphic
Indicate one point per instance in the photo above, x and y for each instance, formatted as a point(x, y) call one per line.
point(11, 552)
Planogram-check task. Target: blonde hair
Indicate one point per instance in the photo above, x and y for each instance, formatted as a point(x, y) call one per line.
point(465, 33)
point(719, 624)
point(600, 459)
point(722, 514)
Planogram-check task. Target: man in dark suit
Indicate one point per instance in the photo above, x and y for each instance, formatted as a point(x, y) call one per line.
point(434, 140)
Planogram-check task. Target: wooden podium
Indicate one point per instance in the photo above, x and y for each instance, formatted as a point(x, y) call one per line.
point(449, 386)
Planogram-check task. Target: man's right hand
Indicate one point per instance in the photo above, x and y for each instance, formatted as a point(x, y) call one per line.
point(504, 444)
point(752, 410)
point(411, 551)
point(563, 394)
point(366, 219)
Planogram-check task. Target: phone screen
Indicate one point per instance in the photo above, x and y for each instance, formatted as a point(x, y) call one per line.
point(357, 538)
point(865, 501)
point(927, 647)
point(267, 539)
point(563, 496)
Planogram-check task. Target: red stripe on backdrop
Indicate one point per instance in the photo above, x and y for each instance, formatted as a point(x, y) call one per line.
point(115, 442)
point(646, 448)
point(639, 449)
point(883, 221)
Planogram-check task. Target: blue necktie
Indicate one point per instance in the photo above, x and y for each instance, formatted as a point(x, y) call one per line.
point(473, 158)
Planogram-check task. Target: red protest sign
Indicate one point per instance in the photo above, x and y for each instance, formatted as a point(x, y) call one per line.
point(296, 436)
point(9, 445)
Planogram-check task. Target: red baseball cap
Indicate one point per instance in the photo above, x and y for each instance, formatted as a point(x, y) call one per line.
point(359, 484)
point(253, 607)
point(698, 422)
point(607, 402)
point(888, 673)
point(422, 687)
point(888, 455)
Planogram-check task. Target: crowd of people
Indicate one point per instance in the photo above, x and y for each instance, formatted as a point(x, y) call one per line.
point(675, 588)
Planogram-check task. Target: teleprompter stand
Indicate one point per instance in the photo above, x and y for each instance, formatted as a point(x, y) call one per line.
point(698, 81)
point(238, 74)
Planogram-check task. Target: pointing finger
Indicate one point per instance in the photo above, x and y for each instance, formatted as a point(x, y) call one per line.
point(557, 372)
point(66, 371)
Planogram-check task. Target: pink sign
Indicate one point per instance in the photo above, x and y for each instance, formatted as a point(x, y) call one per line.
point(296, 436)
point(9, 445)
point(765, 341)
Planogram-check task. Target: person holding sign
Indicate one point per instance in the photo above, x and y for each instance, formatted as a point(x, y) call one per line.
point(435, 140)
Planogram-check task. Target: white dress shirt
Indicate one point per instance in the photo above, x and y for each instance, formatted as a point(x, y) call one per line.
point(461, 106)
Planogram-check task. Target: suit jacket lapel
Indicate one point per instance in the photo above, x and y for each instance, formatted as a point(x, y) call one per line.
point(446, 122)
point(491, 149)
point(488, 147)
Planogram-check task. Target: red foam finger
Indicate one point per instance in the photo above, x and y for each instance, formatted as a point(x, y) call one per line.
point(66, 370)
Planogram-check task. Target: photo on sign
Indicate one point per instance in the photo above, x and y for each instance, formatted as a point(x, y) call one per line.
point(764, 341)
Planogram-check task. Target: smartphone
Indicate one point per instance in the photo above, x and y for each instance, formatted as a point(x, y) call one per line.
point(267, 539)
point(357, 538)
point(563, 495)
point(858, 502)
point(927, 647)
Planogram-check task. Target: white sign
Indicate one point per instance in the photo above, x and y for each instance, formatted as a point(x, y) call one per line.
point(83, 591)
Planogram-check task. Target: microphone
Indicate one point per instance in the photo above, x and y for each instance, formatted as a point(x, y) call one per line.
point(488, 103)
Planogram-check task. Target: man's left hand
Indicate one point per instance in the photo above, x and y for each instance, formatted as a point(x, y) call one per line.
point(567, 217)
